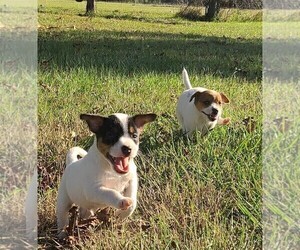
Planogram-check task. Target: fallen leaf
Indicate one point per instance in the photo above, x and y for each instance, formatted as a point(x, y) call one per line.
point(249, 123)
point(73, 220)
point(283, 124)
point(145, 226)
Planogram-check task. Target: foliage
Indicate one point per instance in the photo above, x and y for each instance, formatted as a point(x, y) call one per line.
point(240, 4)
point(194, 13)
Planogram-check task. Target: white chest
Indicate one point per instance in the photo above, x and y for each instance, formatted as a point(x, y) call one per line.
point(115, 181)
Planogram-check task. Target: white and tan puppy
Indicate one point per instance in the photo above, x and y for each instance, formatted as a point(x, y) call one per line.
point(199, 108)
point(31, 208)
point(106, 175)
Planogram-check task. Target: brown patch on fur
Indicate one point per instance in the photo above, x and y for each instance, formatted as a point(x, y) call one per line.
point(224, 98)
point(141, 120)
point(103, 148)
point(94, 121)
point(132, 130)
point(206, 98)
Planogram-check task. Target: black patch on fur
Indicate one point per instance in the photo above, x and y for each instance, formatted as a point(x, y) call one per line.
point(133, 130)
point(110, 131)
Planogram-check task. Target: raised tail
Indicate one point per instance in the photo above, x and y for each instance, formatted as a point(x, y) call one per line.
point(73, 154)
point(185, 79)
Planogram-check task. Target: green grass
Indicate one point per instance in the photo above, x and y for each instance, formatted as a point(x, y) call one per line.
point(197, 13)
point(17, 115)
point(281, 165)
point(203, 193)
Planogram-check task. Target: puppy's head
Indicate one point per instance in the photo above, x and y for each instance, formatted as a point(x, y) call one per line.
point(118, 137)
point(209, 103)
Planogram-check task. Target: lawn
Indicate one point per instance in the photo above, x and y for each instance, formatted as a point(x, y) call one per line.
point(203, 193)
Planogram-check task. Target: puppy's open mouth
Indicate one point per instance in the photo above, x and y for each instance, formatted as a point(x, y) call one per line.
point(211, 117)
point(120, 164)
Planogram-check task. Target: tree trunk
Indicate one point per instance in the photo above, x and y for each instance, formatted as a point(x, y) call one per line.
point(90, 7)
point(212, 9)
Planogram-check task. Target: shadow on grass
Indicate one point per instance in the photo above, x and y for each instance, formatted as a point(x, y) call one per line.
point(143, 52)
point(142, 19)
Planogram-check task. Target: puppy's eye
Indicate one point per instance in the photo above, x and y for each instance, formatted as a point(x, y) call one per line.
point(206, 102)
point(134, 135)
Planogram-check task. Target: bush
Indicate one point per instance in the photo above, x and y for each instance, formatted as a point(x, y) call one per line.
point(196, 13)
point(240, 4)
point(192, 13)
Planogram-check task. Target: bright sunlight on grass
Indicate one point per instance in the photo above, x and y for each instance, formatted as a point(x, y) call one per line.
point(203, 193)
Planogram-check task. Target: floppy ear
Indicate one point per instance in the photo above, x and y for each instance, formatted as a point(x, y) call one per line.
point(224, 98)
point(94, 121)
point(195, 95)
point(141, 120)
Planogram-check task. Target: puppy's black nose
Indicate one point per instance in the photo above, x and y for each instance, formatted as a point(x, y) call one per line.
point(214, 111)
point(126, 150)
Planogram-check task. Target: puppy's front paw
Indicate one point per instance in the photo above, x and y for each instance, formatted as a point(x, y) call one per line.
point(123, 214)
point(125, 203)
point(224, 121)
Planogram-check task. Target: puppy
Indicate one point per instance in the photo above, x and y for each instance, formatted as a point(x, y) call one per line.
point(106, 175)
point(31, 208)
point(199, 108)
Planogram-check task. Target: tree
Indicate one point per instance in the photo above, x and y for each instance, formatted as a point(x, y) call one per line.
point(212, 8)
point(90, 6)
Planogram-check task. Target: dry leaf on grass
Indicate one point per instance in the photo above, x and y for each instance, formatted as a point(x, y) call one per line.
point(73, 222)
point(283, 124)
point(145, 226)
point(249, 123)
point(78, 229)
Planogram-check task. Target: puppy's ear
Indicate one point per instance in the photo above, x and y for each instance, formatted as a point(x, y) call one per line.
point(196, 95)
point(141, 120)
point(224, 98)
point(94, 121)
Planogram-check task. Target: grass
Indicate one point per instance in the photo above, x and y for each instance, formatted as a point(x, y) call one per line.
point(18, 118)
point(193, 194)
point(197, 13)
point(281, 161)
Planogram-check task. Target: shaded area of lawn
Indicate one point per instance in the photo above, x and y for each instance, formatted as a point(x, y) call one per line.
point(129, 52)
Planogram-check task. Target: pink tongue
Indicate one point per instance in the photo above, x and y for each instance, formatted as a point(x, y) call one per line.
point(122, 163)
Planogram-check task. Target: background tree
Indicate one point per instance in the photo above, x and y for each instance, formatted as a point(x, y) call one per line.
point(212, 8)
point(90, 6)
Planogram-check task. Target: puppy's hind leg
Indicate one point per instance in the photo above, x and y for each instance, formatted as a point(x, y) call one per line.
point(31, 208)
point(180, 119)
point(62, 208)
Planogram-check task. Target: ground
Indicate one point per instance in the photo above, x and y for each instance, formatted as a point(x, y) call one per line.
point(193, 194)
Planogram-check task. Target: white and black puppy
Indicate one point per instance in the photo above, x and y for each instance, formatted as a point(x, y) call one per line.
point(106, 175)
point(199, 108)
point(31, 208)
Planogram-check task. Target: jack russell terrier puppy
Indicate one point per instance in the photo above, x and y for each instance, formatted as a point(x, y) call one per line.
point(199, 108)
point(106, 175)
point(31, 208)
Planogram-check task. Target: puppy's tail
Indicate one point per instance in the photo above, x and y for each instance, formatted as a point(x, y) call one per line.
point(73, 154)
point(186, 79)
